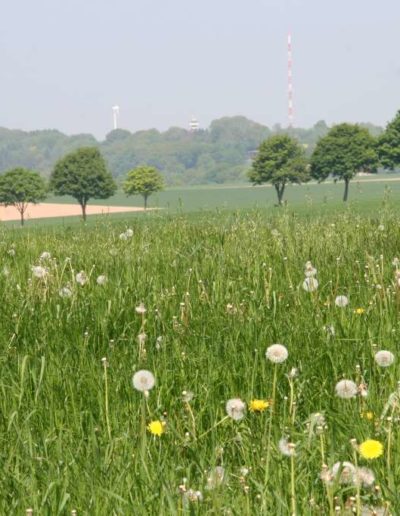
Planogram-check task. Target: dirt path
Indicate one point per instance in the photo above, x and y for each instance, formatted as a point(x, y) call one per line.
point(44, 211)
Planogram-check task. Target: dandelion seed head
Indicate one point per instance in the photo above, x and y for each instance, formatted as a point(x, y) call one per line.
point(39, 272)
point(65, 292)
point(344, 472)
point(346, 389)
point(365, 477)
point(102, 279)
point(277, 353)
point(341, 301)
point(140, 309)
point(143, 380)
point(384, 358)
point(286, 448)
point(310, 284)
point(216, 477)
point(310, 271)
point(45, 256)
point(235, 408)
point(81, 278)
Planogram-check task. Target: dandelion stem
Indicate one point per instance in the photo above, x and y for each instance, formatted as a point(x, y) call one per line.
point(292, 485)
point(270, 428)
point(106, 398)
point(358, 495)
point(214, 426)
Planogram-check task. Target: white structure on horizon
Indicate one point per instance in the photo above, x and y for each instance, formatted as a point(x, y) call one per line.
point(194, 125)
point(115, 110)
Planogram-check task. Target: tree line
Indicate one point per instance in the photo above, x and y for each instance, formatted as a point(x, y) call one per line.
point(219, 154)
point(344, 151)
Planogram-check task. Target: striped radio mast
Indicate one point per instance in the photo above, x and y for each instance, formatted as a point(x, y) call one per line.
point(290, 81)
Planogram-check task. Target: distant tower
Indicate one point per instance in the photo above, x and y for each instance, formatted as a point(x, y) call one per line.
point(115, 110)
point(194, 125)
point(290, 81)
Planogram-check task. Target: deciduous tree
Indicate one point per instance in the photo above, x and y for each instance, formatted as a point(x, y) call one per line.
point(389, 144)
point(346, 150)
point(280, 160)
point(144, 181)
point(19, 187)
point(83, 175)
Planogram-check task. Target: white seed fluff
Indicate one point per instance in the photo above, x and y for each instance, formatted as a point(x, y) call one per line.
point(346, 389)
point(39, 271)
point(235, 408)
point(277, 353)
point(341, 301)
point(346, 472)
point(143, 380)
point(310, 284)
point(81, 278)
point(384, 358)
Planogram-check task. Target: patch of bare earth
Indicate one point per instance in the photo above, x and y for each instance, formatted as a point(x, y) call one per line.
point(45, 211)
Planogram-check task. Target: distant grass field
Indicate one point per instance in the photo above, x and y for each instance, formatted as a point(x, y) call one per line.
point(308, 200)
point(218, 288)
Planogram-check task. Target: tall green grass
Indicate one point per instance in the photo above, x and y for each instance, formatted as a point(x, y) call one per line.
point(219, 289)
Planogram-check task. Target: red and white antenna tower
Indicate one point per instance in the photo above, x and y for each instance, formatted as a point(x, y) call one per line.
point(290, 81)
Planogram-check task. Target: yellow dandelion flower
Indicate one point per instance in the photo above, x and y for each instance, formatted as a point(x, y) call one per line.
point(367, 414)
point(359, 311)
point(258, 405)
point(156, 427)
point(371, 449)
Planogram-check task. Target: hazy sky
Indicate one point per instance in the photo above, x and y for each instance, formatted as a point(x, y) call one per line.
point(65, 63)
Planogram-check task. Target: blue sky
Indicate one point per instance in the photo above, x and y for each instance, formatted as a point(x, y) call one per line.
point(65, 63)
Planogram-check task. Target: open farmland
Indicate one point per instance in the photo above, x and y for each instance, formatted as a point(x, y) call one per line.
point(197, 302)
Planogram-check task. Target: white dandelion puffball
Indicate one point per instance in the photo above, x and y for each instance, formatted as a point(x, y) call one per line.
point(140, 309)
point(286, 448)
point(65, 292)
point(102, 279)
point(143, 380)
point(235, 408)
point(129, 233)
point(384, 358)
point(310, 271)
point(346, 472)
point(39, 272)
point(346, 389)
point(277, 353)
point(364, 476)
point(123, 236)
point(310, 284)
point(45, 256)
point(341, 301)
point(81, 278)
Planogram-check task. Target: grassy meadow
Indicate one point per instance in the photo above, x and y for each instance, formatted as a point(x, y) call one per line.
point(197, 301)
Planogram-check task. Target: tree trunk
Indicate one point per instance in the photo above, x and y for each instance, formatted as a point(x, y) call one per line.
point(346, 190)
point(22, 217)
point(280, 188)
point(145, 201)
point(83, 205)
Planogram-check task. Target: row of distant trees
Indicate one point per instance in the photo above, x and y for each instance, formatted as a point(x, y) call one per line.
point(346, 150)
point(81, 174)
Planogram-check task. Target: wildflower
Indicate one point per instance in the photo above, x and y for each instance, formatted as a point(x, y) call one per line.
point(192, 496)
point(258, 405)
point(101, 280)
point(310, 284)
point(365, 477)
point(310, 270)
point(45, 256)
point(371, 449)
point(277, 353)
point(395, 262)
point(65, 292)
point(235, 408)
point(344, 472)
point(141, 309)
point(293, 373)
point(129, 233)
point(39, 272)
point(341, 301)
point(367, 414)
point(346, 389)
point(215, 477)
point(143, 380)
point(81, 278)
point(6, 271)
point(286, 448)
point(187, 396)
point(123, 236)
point(359, 311)
point(159, 341)
point(142, 337)
point(11, 252)
point(156, 427)
point(384, 358)
point(330, 330)
point(381, 227)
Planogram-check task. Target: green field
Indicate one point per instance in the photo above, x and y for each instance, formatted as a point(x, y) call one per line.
point(219, 288)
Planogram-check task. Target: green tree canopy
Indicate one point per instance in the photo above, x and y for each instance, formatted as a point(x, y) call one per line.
point(19, 187)
point(280, 160)
point(389, 144)
point(144, 181)
point(83, 175)
point(346, 150)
